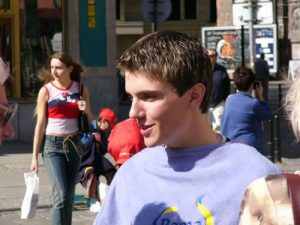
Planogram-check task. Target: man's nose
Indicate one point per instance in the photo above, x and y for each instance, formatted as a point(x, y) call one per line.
point(134, 109)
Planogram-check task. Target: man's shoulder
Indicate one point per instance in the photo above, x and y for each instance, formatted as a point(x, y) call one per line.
point(242, 151)
point(145, 155)
point(220, 67)
point(251, 157)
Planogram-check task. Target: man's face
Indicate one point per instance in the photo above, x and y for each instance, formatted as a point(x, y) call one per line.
point(6, 130)
point(161, 114)
point(212, 56)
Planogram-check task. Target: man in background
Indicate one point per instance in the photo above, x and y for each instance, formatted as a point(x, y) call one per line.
point(221, 89)
point(262, 74)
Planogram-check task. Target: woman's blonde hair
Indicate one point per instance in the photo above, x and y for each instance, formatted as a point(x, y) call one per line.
point(292, 107)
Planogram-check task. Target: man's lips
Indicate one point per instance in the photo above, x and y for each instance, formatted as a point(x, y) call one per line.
point(145, 130)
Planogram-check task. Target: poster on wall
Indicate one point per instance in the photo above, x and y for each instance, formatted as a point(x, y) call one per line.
point(228, 43)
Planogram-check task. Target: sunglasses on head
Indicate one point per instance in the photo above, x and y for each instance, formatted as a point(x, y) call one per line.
point(7, 113)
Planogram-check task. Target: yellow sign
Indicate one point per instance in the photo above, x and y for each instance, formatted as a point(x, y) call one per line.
point(91, 14)
point(91, 22)
point(91, 10)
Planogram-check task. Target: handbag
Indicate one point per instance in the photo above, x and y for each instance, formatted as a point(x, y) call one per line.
point(83, 123)
point(30, 202)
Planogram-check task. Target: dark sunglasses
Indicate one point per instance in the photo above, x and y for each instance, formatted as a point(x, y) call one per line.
point(7, 113)
point(211, 56)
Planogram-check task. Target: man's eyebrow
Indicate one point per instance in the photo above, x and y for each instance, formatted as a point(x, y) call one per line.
point(148, 92)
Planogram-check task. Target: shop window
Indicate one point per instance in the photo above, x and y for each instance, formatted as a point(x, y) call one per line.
point(4, 4)
point(40, 36)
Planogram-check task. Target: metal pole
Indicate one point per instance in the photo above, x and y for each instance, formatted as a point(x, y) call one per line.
point(270, 144)
point(243, 45)
point(251, 37)
point(277, 152)
point(279, 95)
point(154, 24)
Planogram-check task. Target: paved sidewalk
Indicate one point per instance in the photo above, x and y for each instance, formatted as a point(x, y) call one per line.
point(15, 159)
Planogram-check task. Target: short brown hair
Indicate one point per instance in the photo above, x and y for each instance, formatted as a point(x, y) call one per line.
point(171, 57)
point(243, 78)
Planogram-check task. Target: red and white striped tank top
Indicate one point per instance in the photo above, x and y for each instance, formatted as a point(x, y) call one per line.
point(63, 109)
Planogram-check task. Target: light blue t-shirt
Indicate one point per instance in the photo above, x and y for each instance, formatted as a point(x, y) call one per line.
point(201, 185)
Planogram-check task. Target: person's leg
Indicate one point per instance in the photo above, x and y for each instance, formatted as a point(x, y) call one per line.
point(55, 161)
point(72, 168)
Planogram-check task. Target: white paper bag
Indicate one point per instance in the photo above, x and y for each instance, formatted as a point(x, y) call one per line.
point(30, 201)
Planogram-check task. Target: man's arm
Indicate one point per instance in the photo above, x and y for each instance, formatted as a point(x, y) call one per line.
point(226, 83)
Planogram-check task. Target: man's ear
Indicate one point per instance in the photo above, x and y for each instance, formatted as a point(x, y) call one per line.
point(197, 93)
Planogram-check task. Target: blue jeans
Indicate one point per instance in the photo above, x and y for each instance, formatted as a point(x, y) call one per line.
point(62, 162)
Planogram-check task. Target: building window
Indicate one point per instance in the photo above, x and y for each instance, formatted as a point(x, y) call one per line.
point(213, 11)
point(188, 12)
point(175, 13)
point(190, 9)
point(118, 10)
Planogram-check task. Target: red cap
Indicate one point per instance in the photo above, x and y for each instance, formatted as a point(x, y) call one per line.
point(125, 140)
point(108, 115)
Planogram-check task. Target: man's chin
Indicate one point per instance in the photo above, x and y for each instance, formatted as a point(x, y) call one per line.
point(151, 143)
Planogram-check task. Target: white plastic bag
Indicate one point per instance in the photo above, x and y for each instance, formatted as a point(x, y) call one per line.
point(30, 201)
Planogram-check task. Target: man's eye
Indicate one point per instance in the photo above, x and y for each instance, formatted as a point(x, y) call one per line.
point(149, 97)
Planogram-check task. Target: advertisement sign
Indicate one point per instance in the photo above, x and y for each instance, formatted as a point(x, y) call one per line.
point(228, 43)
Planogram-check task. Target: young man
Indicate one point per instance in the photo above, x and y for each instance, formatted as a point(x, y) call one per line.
point(189, 174)
point(6, 111)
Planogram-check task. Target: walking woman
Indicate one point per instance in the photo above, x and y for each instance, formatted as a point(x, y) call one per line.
point(56, 131)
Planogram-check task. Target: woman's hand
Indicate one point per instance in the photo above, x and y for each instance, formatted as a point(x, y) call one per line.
point(34, 165)
point(81, 105)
